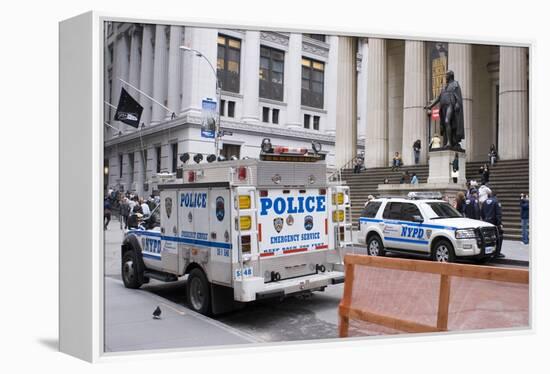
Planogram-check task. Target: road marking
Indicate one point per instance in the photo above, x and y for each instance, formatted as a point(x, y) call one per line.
point(180, 312)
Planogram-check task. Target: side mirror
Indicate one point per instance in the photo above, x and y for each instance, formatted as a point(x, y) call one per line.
point(418, 219)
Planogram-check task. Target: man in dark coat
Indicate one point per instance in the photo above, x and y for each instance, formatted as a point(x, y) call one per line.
point(491, 211)
point(451, 111)
point(471, 205)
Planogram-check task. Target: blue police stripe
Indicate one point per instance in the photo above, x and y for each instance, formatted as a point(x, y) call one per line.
point(406, 240)
point(151, 256)
point(391, 222)
point(204, 243)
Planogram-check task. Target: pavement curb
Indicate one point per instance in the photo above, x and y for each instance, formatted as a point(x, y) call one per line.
point(504, 261)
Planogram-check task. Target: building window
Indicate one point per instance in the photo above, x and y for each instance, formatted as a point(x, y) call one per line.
point(120, 166)
point(272, 62)
point(229, 63)
point(316, 120)
point(265, 114)
point(174, 147)
point(157, 153)
point(229, 150)
point(231, 109)
point(307, 119)
point(319, 37)
point(313, 78)
point(222, 107)
point(275, 115)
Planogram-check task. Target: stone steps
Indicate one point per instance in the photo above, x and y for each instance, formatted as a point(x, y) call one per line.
point(507, 179)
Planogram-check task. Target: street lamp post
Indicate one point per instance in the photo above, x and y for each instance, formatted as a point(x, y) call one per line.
point(218, 95)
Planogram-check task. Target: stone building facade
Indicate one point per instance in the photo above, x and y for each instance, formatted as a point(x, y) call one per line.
point(350, 94)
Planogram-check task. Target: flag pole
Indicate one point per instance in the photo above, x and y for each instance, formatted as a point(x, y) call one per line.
point(149, 97)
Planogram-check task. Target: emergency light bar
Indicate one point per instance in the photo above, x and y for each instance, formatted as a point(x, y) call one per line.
point(283, 153)
point(424, 195)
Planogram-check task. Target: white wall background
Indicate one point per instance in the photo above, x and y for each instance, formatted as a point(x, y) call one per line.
point(29, 188)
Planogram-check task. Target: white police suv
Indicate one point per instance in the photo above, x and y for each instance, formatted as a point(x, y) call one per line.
point(427, 227)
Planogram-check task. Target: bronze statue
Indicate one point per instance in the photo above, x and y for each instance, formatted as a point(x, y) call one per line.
point(450, 112)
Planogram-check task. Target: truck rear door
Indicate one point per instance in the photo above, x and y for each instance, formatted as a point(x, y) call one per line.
point(292, 221)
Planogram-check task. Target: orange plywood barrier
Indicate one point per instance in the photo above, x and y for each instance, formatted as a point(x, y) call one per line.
point(391, 296)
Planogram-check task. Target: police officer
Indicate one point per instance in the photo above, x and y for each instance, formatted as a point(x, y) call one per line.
point(471, 205)
point(491, 211)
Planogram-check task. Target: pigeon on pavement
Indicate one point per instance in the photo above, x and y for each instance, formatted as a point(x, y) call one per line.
point(156, 313)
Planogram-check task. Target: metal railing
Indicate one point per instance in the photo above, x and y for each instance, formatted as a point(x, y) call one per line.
point(336, 176)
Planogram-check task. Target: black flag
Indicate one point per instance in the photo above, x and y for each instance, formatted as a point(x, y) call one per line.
point(128, 110)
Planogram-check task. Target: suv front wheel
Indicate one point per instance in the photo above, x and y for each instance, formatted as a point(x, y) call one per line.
point(375, 246)
point(443, 251)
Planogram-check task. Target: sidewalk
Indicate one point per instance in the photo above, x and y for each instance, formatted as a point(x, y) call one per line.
point(516, 253)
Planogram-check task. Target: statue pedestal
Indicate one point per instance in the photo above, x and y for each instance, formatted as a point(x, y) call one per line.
point(441, 161)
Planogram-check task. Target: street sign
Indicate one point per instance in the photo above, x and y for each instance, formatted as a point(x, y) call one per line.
point(209, 118)
point(435, 114)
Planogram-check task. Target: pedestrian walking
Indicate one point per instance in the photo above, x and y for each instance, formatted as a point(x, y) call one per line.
point(358, 165)
point(471, 205)
point(484, 193)
point(493, 155)
point(106, 213)
point(416, 150)
point(460, 201)
point(124, 213)
point(484, 172)
point(524, 211)
point(405, 178)
point(144, 208)
point(491, 211)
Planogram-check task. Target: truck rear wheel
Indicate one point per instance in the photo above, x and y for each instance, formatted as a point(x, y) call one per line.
point(198, 291)
point(132, 273)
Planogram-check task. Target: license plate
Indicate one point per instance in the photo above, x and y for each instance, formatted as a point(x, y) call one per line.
point(489, 249)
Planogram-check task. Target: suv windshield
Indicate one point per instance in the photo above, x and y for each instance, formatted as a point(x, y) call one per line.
point(443, 210)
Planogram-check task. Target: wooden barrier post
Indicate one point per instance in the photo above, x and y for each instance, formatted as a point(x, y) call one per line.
point(444, 296)
point(346, 301)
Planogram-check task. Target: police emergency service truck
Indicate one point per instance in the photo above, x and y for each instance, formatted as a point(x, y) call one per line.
point(245, 230)
point(429, 227)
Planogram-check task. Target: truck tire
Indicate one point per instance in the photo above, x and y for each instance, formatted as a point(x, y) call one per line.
point(375, 247)
point(198, 291)
point(132, 272)
point(443, 251)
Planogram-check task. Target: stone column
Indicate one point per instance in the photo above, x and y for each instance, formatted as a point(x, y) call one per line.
point(331, 78)
point(293, 81)
point(346, 104)
point(251, 86)
point(159, 75)
point(199, 81)
point(146, 72)
point(165, 161)
point(362, 79)
point(415, 120)
point(121, 70)
point(460, 62)
point(174, 70)
point(513, 114)
point(133, 75)
point(376, 144)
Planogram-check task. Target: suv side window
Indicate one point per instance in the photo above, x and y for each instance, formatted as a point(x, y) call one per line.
point(408, 211)
point(392, 211)
point(371, 209)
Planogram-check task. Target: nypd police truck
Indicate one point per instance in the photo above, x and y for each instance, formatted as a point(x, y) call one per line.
point(244, 230)
point(423, 226)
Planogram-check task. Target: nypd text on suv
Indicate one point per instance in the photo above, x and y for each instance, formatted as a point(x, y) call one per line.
point(425, 227)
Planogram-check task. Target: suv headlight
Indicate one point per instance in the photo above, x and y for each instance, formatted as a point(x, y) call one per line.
point(465, 234)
